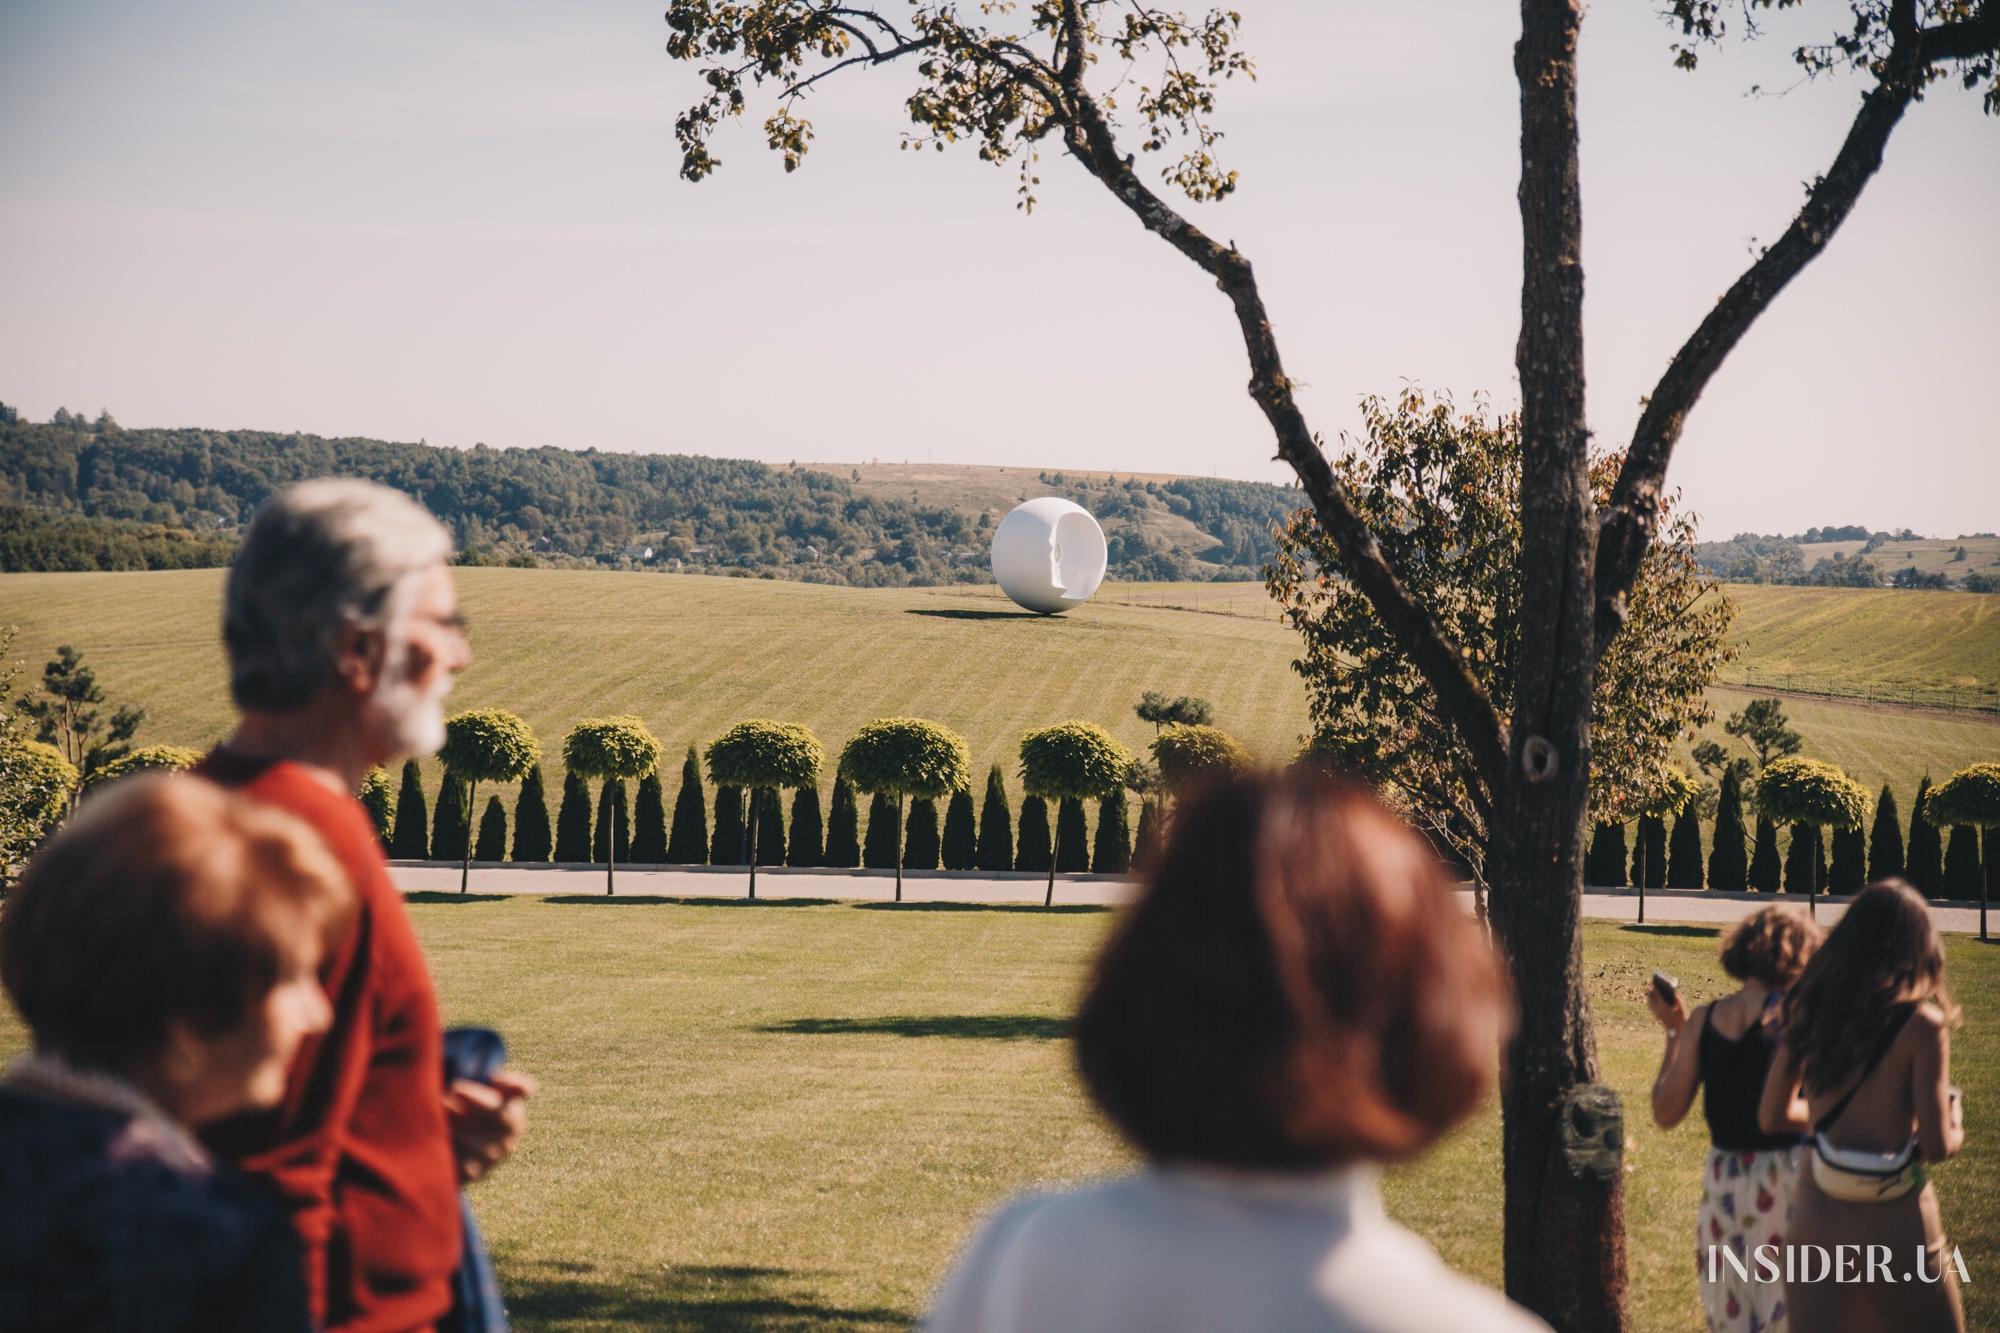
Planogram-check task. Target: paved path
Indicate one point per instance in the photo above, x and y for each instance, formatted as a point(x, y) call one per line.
point(1665, 905)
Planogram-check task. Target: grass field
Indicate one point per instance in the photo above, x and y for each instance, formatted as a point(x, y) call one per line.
point(1930, 555)
point(786, 1117)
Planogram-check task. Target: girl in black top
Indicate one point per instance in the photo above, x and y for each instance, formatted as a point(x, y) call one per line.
point(1724, 1048)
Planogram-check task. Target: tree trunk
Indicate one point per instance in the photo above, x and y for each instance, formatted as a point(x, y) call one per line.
point(1562, 1139)
point(1812, 878)
point(610, 846)
point(899, 847)
point(1055, 854)
point(754, 803)
point(471, 804)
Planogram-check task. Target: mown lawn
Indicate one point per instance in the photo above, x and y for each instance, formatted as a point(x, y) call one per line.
point(787, 1117)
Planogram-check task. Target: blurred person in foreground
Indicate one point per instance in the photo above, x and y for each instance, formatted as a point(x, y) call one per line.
point(163, 951)
point(1293, 997)
point(343, 635)
point(1866, 1066)
point(1724, 1048)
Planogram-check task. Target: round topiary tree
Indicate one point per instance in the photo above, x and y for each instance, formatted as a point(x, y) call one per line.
point(612, 748)
point(760, 757)
point(146, 759)
point(36, 783)
point(900, 757)
point(1815, 794)
point(1076, 761)
point(486, 745)
point(1672, 792)
point(379, 802)
point(1189, 755)
point(1970, 796)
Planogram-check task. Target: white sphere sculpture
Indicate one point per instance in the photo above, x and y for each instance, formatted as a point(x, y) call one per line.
point(1048, 554)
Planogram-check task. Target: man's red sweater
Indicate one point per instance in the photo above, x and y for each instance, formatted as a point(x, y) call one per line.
point(358, 1149)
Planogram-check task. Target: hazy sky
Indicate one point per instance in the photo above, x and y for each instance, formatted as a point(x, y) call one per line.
point(461, 221)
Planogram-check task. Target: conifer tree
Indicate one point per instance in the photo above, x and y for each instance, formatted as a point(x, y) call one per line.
point(1885, 839)
point(687, 844)
point(613, 829)
point(1604, 863)
point(1035, 848)
point(1074, 839)
point(1684, 851)
point(1649, 856)
point(492, 844)
point(1146, 841)
point(1805, 860)
point(411, 840)
point(959, 848)
point(921, 838)
point(1961, 864)
point(807, 844)
point(1728, 859)
point(843, 828)
point(531, 819)
point(1111, 854)
point(1850, 854)
point(1765, 869)
point(770, 827)
point(451, 823)
point(732, 832)
point(996, 825)
point(1925, 849)
point(1989, 860)
point(884, 832)
point(573, 821)
point(649, 821)
point(375, 798)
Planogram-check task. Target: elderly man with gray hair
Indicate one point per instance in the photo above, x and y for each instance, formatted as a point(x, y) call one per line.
point(343, 635)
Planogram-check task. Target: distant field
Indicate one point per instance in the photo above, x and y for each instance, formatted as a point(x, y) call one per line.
point(1930, 555)
point(693, 654)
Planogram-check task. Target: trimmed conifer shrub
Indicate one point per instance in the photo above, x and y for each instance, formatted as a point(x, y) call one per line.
point(1849, 863)
point(1649, 854)
point(1925, 849)
point(649, 821)
point(573, 821)
point(613, 829)
point(1604, 863)
point(532, 836)
point(770, 827)
point(1684, 850)
point(1111, 853)
point(959, 848)
point(492, 844)
point(1765, 867)
point(1036, 845)
point(884, 832)
point(843, 828)
point(1885, 839)
point(411, 840)
point(1961, 864)
point(921, 839)
point(1146, 840)
point(996, 825)
point(687, 842)
point(375, 799)
point(1074, 839)
point(1805, 860)
point(1990, 860)
point(730, 845)
point(1729, 858)
point(807, 845)
point(451, 822)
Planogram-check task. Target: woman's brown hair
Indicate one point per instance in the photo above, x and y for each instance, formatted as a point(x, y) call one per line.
point(1771, 945)
point(1883, 955)
point(163, 899)
point(1295, 986)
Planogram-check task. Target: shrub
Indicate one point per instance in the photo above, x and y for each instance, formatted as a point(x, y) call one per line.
point(411, 839)
point(1925, 849)
point(615, 749)
point(1111, 854)
point(901, 757)
point(770, 827)
point(687, 844)
point(1961, 863)
point(531, 819)
point(1034, 852)
point(649, 821)
point(761, 757)
point(1846, 871)
point(1684, 850)
point(883, 847)
point(611, 834)
point(807, 846)
point(451, 822)
point(1805, 860)
point(1604, 863)
point(573, 821)
point(169, 759)
point(921, 847)
point(1765, 867)
point(376, 800)
point(960, 846)
point(1075, 761)
point(1189, 754)
point(843, 828)
point(1885, 839)
point(996, 825)
point(730, 845)
point(485, 745)
point(492, 844)
point(1146, 841)
point(1072, 837)
point(1649, 856)
point(1728, 859)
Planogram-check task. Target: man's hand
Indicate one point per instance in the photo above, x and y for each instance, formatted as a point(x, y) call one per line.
point(486, 1121)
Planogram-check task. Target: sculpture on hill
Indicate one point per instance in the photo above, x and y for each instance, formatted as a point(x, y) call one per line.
point(1049, 555)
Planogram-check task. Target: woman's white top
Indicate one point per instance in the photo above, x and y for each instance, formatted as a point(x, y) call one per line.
point(1175, 1248)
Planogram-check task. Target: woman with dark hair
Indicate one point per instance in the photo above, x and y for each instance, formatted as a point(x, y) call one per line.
point(1293, 997)
point(162, 950)
point(1724, 1048)
point(1866, 1065)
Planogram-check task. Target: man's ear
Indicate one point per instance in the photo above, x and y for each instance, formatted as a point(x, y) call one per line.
point(360, 655)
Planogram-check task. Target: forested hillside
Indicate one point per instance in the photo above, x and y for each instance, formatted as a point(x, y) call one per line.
point(78, 494)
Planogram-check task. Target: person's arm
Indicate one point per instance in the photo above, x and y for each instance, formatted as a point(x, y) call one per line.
point(1940, 1119)
point(1781, 1110)
point(1680, 1063)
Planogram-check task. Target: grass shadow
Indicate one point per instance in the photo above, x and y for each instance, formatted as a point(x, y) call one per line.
point(665, 900)
point(1682, 932)
point(565, 1294)
point(978, 1027)
point(1060, 909)
point(452, 896)
point(955, 613)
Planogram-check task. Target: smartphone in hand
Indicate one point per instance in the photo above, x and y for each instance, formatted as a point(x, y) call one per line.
point(1668, 988)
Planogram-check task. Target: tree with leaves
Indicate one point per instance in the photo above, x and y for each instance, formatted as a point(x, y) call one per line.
point(730, 844)
point(922, 837)
point(150, 759)
point(1925, 849)
point(843, 827)
point(1036, 848)
point(611, 828)
point(573, 821)
point(1185, 709)
point(1189, 754)
point(1813, 795)
point(996, 825)
point(1728, 863)
point(36, 785)
point(486, 745)
point(615, 749)
point(807, 846)
point(532, 841)
point(763, 756)
point(451, 822)
point(1008, 79)
point(492, 843)
point(380, 805)
point(1969, 798)
point(958, 848)
point(67, 715)
point(1765, 867)
point(1111, 853)
point(649, 821)
point(412, 841)
point(903, 757)
point(1763, 726)
point(883, 849)
point(1885, 838)
point(687, 844)
point(1604, 864)
point(1076, 761)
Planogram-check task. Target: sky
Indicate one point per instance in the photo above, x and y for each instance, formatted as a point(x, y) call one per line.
point(462, 222)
